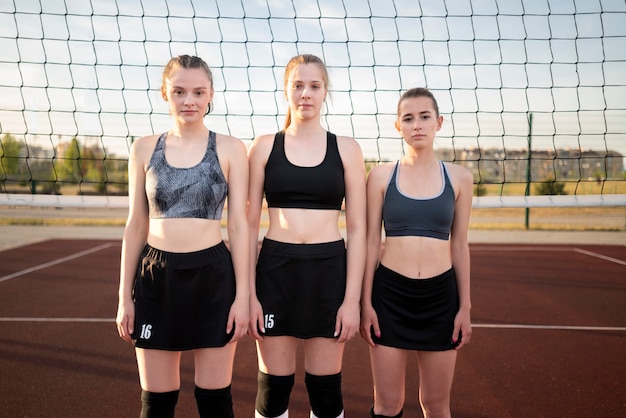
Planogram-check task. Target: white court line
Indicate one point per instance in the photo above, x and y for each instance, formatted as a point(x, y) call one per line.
point(499, 326)
point(55, 262)
point(577, 250)
point(506, 248)
point(25, 319)
point(603, 257)
point(551, 327)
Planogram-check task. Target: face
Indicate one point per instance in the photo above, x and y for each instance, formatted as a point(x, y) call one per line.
point(418, 122)
point(306, 91)
point(188, 92)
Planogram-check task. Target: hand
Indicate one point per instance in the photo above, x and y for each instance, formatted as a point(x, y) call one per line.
point(347, 322)
point(257, 324)
point(369, 323)
point(238, 319)
point(462, 329)
point(125, 320)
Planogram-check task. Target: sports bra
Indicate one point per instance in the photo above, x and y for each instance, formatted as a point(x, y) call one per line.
point(190, 192)
point(291, 186)
point(408, 216)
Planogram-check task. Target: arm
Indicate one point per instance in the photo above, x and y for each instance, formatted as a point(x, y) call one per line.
point(375, 196)
point(257, 157)
point(463, 183)
point(238, 235)
point(347, 323)
point(135, 236)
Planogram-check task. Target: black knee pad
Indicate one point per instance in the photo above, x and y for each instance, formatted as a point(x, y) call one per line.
point(214, 403)
point(325, 394)
point(158, 405)
point(273, 392)
point(373, 415)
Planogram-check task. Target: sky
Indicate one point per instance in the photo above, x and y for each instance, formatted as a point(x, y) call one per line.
point(93, 68)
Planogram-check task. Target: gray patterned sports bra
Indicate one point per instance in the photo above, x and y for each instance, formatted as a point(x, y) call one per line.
point(190, 192)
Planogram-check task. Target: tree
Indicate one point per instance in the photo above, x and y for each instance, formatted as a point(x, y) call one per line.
point(550, 187)
point(67, 165)
point(11, 158)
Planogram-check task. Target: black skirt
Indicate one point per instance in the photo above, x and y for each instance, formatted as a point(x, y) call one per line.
point(301, 287)
point(415, 314)
point(182, 300)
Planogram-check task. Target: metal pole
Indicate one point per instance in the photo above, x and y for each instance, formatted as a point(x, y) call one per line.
point(528, 168)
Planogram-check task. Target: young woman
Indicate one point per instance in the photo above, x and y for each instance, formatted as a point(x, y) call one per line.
point(181, 288)
point(307, 283)
point(416, 296)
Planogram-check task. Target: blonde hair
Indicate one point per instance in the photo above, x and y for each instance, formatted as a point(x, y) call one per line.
point(303, 59)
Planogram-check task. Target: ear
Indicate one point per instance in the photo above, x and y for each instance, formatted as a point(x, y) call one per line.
point(439, 122)
point(163, 94)
point(398, 128)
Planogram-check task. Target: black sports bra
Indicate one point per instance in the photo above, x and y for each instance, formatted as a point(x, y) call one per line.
point(291, 186)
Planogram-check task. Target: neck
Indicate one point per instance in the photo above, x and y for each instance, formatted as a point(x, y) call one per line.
point(422, 157)
point(189, 131)
point(307, 127)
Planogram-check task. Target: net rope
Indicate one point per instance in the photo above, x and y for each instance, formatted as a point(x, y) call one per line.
point(532, 93)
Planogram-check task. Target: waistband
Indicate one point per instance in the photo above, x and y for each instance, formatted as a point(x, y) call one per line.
point(186, 260)
point(317, 250)
point(401, 280)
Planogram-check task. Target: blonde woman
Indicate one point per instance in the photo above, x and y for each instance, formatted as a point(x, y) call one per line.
point(306, 284)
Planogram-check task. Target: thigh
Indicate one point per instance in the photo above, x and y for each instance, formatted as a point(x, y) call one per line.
point(388, 373)
point(159, 370)
point(436, 374)
point(214, 366)
point(323, 356)
point(277, 355)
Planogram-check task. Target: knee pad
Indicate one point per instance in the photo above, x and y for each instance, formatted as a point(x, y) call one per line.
point(158, 405)
point(325, 394)
point(373, 415)
point(273, 392)
point(214, 403)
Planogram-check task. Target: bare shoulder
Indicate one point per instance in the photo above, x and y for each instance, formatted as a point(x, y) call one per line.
point(142, 148)
point(229, 144)
point(459, 174)
point(380, 173)
point(348, 143)
point(262, 145)
point(349, 149)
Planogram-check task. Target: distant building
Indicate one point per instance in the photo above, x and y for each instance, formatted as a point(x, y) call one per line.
point(502, 165)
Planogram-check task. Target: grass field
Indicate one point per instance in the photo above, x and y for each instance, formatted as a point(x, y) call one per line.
point(539, 218)
point(570, 218)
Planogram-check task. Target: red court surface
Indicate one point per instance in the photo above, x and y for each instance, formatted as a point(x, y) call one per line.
point(549, 338)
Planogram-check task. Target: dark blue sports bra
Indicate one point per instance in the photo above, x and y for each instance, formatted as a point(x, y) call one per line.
point(407, 216)
point(190, 192)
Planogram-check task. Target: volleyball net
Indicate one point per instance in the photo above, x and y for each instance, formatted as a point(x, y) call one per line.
point(533, 93)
